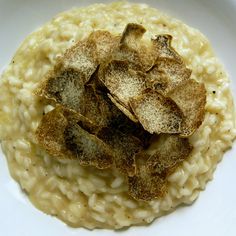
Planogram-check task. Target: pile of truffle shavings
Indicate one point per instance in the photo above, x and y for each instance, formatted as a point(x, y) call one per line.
point(125, 103)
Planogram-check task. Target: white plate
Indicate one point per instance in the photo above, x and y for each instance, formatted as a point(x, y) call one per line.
point(214, 213)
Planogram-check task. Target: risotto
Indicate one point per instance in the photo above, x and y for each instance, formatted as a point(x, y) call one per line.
point(86, 196)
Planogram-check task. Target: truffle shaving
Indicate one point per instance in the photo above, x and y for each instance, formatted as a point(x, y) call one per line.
point(150, 180)
point(64, 138)
point(127, 112)
point(82, 58)
point(64, 88)
point(122, 82)
point(133, 49)
point(190, 97)
point(156, 113)
point(167, 74)
point(169, 152)
point(146, 186)
point(50, 136)
point(124, 146)
point(132, 34)
point(89, 100)
point(163, 49)
point(106, 44)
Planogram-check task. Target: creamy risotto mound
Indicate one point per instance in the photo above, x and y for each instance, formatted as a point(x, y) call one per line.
point(86, 196)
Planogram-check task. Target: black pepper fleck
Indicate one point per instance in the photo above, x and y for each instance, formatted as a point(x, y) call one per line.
point(213, 92)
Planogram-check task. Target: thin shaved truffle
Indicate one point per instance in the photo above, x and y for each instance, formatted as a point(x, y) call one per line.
point(169, 152)
point(86, 55)
point(82, 58)
point(106, 44)
point(191, 99)
point(146, 186)
point(64, 88)
point(127, 112)
point(124, 147)
point(167, 74)
point(132, 34)
point(87, 148)
point(49, 134)
point(122, 82)
point(64, 138)
point(163, 49)
point(97, 107)
point(78, 64)
point(133, 49)
point(156, 113)
point(75, 117)
point(89, 100)
point(158, 80)
point(128, 128)
point(149, 182)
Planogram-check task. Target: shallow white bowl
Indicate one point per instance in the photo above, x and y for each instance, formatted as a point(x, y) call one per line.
point(214, 213)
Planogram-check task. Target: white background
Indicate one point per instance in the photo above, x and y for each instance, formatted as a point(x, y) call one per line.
point(214, 213)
